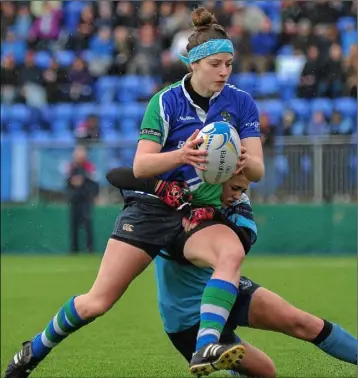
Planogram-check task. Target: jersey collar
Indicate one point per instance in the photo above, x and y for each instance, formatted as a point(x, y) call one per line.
point(186, 94)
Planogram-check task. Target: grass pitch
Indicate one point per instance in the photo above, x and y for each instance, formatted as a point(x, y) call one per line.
point(129, 341)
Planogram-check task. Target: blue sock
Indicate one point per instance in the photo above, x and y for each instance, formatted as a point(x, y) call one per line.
point(65, 322)
point(340, 344)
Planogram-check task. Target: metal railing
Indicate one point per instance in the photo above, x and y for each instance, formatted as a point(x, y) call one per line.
point(297, 169)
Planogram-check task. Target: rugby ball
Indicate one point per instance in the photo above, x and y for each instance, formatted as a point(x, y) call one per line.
point(222, 143)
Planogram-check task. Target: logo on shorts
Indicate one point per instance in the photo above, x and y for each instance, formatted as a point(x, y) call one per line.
point(245, 283)
point(127, 227)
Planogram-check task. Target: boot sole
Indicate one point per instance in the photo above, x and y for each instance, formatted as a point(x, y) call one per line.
point(227, 361)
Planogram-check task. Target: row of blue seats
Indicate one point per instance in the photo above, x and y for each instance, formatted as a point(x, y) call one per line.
point(114, 112)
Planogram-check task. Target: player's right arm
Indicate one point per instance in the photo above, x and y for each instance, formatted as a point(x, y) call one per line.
point(149, 161)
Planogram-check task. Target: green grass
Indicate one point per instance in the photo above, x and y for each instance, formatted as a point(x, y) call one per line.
point(129, 340)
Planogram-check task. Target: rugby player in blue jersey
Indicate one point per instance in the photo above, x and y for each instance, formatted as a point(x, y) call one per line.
point(167, 150)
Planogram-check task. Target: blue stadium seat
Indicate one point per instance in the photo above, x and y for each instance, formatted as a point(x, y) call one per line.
point(20, 113)
point(244, 81)
point(82, 111)
point(110, 111)
point(288, 87)
point(344, 22)
point(129, 126)
point(40, 136)
point(15, 127)
point(134, 110)
point(107, 124)
point(300, 106)
point(274, 108)
point(42, 59)
point(106, 88)
point(147, 86)
point(267, 84)
point(60, 125)
point(110, 135)
point(65, 57)
point(127, 156)
point(299, 128)
point(128, 88)
point(322, 104)
point(64, 111)
point(346, 105)
point(72, 12)
point(64, 136)
point(5, 114)
point(18, 135)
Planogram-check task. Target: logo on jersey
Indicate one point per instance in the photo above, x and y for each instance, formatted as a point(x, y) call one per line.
point(226, 116)
point(253, 125)
point(127, 227)
point(151, 132)
point(188, 118)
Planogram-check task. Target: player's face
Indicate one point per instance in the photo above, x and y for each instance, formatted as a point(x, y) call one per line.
point(233, 188)
point(212, 73)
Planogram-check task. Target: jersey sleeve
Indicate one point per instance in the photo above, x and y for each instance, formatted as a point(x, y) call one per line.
point(240, 213)
point(250, 120)
point(155, 123)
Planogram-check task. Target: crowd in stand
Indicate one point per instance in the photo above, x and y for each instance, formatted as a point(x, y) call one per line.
point(56, 51)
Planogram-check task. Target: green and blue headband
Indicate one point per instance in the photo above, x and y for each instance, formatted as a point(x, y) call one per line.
point(211, 47)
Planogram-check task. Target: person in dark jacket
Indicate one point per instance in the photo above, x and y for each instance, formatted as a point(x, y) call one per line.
point(82, 189)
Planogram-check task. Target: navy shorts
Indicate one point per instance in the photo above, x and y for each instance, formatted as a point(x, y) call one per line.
point(185, 341)
point(147, 223)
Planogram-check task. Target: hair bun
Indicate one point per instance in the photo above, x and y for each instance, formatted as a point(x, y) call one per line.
point(201, 17)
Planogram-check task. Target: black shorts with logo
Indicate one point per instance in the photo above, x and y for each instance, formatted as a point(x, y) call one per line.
point(147, 223)
point(185, 341)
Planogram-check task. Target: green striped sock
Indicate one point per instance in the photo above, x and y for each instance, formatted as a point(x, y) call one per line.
point(218, 299)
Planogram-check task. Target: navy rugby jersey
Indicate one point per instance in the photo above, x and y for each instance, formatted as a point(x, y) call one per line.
point(171, 117)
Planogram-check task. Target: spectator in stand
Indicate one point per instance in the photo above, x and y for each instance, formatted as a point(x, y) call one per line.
point(101, 51)
point(318, 125)
point(125, 15)
point(147, 49)
point(7, 17)
point(123, 50)
point(54, 79)
point(12, 45)
point(147, 13)
point(85, 30)
point(332, 78)
point(104, 14)
point(31, 79)
point(80, 82)
point(310, 74)
point(9, 80)
point(341, 125)
point(88, 131)
point(172, 71)
point(351, 71)
point(291, 126)
point(23, 21)
point(46, 28)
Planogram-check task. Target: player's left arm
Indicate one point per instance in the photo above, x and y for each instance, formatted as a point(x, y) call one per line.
point(252, 162)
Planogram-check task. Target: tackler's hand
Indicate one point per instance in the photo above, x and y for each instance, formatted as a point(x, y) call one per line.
point(198, 216)
point(175, 194)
